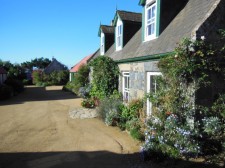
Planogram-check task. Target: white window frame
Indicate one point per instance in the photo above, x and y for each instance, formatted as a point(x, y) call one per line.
point(70, 77)
point(149, 104)
point(126, 86)
point(150, 5)
point(102, 49)
point(119, 33)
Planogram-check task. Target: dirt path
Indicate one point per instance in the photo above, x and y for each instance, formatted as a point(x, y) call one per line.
point(36, 131)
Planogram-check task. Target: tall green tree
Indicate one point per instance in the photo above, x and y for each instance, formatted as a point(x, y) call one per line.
point(105, 77)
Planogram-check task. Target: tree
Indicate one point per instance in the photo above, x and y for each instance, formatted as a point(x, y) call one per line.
point(40, 63)
point(105, 77)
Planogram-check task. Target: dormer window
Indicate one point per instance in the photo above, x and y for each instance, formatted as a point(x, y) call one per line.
point(150, 20)
point(119, 33)
point(107, 38)
point(119, 36)
point(102, 44)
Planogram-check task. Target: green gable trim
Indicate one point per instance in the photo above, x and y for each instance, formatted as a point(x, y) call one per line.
point(144, 58)
point(142, 2)
point(115, 18)
point(158, 17)
point(122, 33)
point(143, 24)
point(99, 31)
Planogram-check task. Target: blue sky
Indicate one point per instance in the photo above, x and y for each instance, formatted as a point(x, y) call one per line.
point(65, 29)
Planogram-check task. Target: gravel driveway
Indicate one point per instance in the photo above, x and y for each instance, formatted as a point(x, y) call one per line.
point(37, 132)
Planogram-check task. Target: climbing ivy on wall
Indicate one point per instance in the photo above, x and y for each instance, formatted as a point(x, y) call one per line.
point(105, 77)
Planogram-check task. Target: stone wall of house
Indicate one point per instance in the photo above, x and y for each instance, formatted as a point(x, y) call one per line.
point(138, 77)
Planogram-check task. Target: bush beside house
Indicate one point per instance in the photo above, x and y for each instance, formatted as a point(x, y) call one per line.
point(80, 84)
point(180, 124)
point(5, 92)
point(9, 84)
point(54, 78)
point(54, 74)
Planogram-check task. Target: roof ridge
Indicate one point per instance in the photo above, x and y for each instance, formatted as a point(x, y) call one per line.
point(129, 11)
point(83, 61)
point(107, 25)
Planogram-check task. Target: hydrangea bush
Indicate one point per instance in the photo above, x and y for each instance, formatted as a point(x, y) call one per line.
point(179, 126)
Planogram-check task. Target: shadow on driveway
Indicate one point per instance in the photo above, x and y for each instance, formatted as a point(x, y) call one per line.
point(79, 159)
point(99, 159)
point(33, 93)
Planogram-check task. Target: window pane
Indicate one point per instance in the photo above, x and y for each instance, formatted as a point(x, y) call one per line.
point(151, 19)
point(153, 11)
point(119, 41)
point(125, 82)
point(149, 14)
point(153, 28)
point(149, 30)
point(153, 84)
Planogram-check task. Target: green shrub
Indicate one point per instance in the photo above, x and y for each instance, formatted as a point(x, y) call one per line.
point(112, 117)
point(54, 78)
point(68, 87)
point(133, 123)
point(36, 77)
point(212, 125)
point(110, 110)
point(88, 103)
point(5, 92)
point(132, 110)
point(84, 92)
point(137, 134)
point(105, 77)
point(219, 106)
point(81, 77)
point(179, 125)
point(80, 82)
point(134, 126)
point(15, 84)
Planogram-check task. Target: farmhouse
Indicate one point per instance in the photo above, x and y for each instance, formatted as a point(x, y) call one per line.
point(54, 66)
point(76, 67)
point(142, 39)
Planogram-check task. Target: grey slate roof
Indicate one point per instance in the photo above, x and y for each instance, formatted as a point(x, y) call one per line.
point(183, 25)
point(95, 55)
point(54, 66)
point(108, 29)
point(130, 16)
